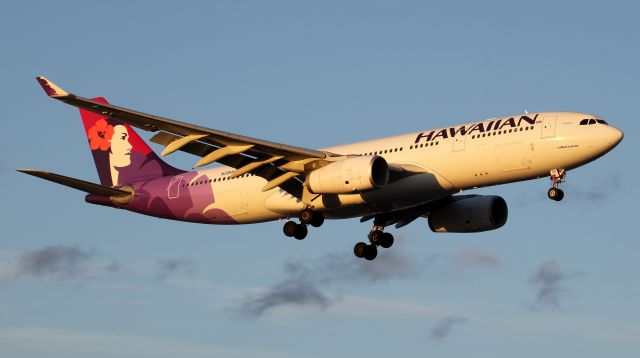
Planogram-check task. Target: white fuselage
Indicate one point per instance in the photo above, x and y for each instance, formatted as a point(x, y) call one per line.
point(441, 162)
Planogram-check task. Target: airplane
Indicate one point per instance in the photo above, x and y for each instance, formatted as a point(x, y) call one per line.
point(392, 181)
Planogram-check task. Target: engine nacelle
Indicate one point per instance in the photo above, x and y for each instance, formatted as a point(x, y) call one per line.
point(351, 175)
point(472, 214)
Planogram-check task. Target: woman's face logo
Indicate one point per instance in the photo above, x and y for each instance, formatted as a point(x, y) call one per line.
point(120, 147)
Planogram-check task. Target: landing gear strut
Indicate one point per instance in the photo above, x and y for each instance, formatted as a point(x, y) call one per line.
point(557, 177)
point(377, 237)
point(307, 217)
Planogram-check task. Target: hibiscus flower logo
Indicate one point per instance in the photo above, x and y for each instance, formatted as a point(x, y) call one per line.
point(100, 135)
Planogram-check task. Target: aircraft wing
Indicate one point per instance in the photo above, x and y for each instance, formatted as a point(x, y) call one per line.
point(280, 164)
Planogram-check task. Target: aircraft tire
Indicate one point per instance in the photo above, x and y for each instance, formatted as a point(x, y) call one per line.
point(306, 216)
point(360, 249)
point(301, 232)
point(387, 240)
point(289, 228)
point(317, 220)
point(555, 194)
point(375, 237)
point(371, 252)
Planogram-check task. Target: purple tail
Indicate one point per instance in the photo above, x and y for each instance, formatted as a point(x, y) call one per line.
point(121, 155)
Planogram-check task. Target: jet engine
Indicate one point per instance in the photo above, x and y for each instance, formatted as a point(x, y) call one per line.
point(351, 175)
point(470, 214)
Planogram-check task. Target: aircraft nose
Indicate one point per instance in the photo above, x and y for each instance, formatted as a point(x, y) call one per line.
point(615, 136)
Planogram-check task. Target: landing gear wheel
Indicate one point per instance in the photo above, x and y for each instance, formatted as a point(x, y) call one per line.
point(387, 240)
point(360, 249)
point(317, 220)
point(375, 237)
point(290, 228)
point(310, 217)
point(555, 194)
point(306, 216)
point(301, 232)
point(370, 252)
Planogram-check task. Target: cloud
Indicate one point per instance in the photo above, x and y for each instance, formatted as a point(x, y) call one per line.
point(442, 329)
point(54, 262)
point(470, 258)
point(305, 279)
point(290, 292)
point(175, 267)
point(114, 267)
point(600, 189)
point(465, 259)
point(549, 280)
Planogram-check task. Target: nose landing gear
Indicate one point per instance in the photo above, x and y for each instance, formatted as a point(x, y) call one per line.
point(557, 176)
point(300, 231)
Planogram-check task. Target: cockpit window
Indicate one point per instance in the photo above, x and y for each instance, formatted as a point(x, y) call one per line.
point(589, 121)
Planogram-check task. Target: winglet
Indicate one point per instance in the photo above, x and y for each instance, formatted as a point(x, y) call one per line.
point(50, 88)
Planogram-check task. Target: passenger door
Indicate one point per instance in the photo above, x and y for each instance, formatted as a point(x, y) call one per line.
point(548, 126)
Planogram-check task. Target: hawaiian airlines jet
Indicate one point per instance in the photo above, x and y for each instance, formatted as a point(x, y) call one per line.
point(393, 180)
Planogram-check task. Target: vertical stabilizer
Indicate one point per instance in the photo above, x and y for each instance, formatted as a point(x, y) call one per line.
point(120, 154)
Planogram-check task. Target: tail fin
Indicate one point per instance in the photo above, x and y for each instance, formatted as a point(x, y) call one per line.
point(120, 154)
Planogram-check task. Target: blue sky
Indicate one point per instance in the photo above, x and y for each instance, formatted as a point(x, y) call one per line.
point(560, 279)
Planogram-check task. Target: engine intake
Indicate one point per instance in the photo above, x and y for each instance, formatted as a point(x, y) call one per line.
point(471, 214)
point(351, 175)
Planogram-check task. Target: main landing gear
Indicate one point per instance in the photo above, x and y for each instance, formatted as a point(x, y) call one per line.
point(307, 217)
point(557, 177)
point(377, 237)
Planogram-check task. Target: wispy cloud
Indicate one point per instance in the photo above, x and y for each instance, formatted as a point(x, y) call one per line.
point(595, 192)
point(59, 262)
point(304, 280)
point(175, 267)
point(442, 329)
point(464, 260)
point(75, 263)
point(114, 266)
point(549, 280)
point(471, 258)
point(290, 292)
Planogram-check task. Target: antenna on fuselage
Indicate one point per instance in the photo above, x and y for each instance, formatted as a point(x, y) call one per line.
point(526, 112)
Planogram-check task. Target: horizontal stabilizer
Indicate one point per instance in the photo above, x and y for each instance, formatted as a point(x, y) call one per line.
point(85, 186)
